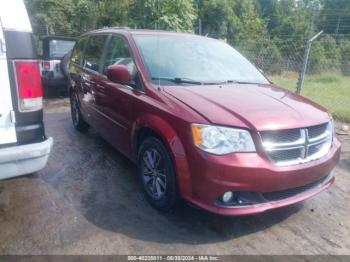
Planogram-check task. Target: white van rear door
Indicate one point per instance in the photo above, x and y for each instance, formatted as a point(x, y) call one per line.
point(7, 121)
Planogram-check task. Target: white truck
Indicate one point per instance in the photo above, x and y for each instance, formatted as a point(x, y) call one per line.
point(24, 147)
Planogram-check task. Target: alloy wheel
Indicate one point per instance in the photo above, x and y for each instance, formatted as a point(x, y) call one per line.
point(154, 174)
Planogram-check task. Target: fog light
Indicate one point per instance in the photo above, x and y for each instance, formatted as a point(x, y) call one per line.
point(227, 197)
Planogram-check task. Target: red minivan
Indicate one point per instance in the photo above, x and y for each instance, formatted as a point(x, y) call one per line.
point(201, 122)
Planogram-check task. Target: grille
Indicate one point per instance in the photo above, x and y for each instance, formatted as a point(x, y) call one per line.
point(316, 131)
point(314, 149)
point(283, 194)
point(286, 136)
point(296, 146)
point(283, 155)
point(246, 198)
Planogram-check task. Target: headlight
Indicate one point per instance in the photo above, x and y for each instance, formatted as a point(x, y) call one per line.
point(222, 140)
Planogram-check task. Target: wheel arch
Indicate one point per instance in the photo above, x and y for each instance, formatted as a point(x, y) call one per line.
point(151, 125)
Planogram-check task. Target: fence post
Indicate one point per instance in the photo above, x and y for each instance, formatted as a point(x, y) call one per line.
point(305, 61)
point(46, 29)
point(307, 51)
point(303, 71)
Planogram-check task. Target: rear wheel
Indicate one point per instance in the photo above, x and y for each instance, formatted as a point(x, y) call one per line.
point(157, 174)
point(78, 121)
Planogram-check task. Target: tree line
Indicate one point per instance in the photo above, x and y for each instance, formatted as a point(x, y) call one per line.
point(246, 24)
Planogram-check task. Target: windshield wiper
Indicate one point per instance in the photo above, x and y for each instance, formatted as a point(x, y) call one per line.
point(178, 80)
point(236, 82)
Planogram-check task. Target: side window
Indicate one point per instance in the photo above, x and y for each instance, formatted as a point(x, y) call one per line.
point(93, 52)
point(118, 54)
point(78, 51)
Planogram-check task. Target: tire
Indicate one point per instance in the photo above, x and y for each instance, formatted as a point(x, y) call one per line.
point(65, 63)
point(159, 185)
point(77, 119)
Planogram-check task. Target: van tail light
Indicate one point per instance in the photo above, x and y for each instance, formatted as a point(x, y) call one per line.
point(46, 66)
point(30, 92)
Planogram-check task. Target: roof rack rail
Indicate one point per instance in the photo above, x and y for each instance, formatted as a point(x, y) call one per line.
point(112, 27)
point(120, 27)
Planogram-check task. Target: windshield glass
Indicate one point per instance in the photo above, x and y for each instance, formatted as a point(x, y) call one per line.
point(58, 48)
point(195, 59)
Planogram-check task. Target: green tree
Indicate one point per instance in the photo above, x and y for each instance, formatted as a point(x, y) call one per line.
point(176, 15)
point(334, 17)
point(52, 16)
point(114, 13)
point(218, 17)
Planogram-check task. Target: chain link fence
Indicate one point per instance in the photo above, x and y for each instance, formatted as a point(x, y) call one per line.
point(327, 78)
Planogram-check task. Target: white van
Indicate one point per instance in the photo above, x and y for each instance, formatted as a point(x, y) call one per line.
point(24, 148)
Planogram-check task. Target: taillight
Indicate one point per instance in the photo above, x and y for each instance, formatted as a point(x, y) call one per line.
point(46, 65)
point(29, 86)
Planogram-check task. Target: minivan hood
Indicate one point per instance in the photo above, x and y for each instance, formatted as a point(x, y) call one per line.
point(259, 107)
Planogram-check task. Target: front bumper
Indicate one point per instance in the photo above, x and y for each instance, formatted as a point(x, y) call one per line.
point(212, 176)
point(24, 159)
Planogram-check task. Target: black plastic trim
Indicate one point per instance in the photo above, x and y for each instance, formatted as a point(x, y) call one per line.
point(30, 134)
point(20, 45)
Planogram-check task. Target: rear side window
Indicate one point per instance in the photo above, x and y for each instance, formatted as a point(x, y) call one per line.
point(79, 51)
point(93, 52)
point(118, 54)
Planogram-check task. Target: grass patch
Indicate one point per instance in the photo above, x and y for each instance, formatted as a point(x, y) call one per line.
point(330, 90)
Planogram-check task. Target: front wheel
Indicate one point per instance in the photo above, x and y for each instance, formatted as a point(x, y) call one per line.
point(157, 174)
point(77, 119)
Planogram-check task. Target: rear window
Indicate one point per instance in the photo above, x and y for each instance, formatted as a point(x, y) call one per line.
point(58, 48)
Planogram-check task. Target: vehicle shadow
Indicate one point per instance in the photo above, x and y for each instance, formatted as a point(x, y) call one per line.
point(55, 92)
point(130, 214)
point(102, 185)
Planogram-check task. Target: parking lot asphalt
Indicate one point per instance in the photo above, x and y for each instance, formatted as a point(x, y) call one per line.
point(88, 201)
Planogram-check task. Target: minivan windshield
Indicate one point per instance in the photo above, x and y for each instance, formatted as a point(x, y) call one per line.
point(194, 60)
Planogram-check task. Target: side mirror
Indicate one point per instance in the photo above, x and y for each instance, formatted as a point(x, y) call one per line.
point(119, 74)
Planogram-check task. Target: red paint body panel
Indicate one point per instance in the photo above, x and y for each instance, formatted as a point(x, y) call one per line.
point(118, 112)
point(258, 107)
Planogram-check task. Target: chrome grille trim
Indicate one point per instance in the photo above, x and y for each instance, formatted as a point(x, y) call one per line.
point(311, 148)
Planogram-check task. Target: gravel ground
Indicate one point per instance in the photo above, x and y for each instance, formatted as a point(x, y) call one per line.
point(87, 201)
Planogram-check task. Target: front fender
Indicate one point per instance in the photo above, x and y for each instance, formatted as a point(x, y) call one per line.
point(173, 143)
